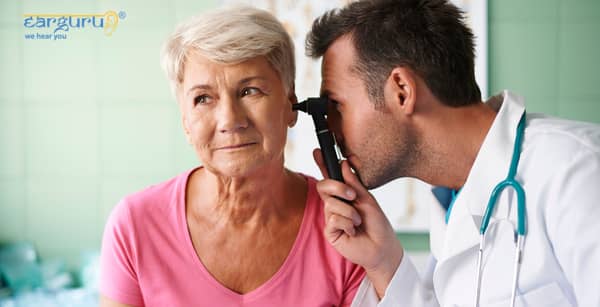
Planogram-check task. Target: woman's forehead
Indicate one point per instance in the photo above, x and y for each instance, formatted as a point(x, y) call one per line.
point(200, 69)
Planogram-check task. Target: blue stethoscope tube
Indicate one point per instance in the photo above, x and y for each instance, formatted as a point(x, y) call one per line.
point(510, 181)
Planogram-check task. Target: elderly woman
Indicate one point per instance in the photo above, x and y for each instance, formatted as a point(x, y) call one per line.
point(240, 230)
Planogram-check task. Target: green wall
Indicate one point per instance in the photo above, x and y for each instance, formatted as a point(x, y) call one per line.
point(87, 120)
point(84, 121)
point(547, 51)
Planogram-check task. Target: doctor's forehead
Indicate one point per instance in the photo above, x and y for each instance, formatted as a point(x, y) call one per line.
point(341, 55)
point(339, 63)
point(342, 83)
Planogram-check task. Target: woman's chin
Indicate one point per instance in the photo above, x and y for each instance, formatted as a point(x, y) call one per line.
point(239, 168)
point(245, 166)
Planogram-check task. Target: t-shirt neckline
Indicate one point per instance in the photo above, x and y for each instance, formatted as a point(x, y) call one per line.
point(309, 211)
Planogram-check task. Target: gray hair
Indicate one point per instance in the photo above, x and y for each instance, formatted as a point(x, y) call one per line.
point(230, 35)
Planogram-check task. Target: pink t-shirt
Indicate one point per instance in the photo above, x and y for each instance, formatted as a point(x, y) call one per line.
point(148, 258)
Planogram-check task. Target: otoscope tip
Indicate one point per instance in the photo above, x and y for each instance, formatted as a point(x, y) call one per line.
point(301, 106)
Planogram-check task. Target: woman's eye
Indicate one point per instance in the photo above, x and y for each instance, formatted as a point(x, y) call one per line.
point(201, 99)
point(250, 91)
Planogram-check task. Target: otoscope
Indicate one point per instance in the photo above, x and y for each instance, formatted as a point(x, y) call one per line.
point(317, 108)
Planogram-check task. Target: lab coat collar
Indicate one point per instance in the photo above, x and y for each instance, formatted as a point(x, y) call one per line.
point(490, 167)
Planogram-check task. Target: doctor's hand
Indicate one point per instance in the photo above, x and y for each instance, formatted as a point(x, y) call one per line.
point(360, 232)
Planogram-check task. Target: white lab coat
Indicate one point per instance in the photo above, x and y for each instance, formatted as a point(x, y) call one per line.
point(559, 169)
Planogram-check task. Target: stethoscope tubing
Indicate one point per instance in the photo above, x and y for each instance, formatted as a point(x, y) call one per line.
point(510, 181)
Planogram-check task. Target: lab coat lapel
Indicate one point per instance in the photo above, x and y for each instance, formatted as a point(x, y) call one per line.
point(461, 232)
point(490, 167)
point(437, 229)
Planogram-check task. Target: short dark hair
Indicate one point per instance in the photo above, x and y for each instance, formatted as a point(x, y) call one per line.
point(427, 36)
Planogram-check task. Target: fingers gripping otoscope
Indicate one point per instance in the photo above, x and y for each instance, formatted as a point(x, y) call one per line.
point(317, 108)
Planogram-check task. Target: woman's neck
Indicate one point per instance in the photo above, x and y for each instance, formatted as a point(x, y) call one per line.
point(256, 200)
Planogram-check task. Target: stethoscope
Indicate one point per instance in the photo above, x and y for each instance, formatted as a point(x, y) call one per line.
point(510, 181)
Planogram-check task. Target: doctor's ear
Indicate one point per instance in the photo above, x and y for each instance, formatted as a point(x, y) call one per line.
point(401, 89)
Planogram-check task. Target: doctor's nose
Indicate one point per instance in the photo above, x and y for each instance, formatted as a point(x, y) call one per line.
point(231, 116)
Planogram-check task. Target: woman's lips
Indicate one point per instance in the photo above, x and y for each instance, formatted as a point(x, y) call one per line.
point(236, 146)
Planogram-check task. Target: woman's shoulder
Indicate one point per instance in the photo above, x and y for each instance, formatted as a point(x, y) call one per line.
point(314, 204)
point(155, 199)
point(312, 194)
point(328, 260)
point(155, 193)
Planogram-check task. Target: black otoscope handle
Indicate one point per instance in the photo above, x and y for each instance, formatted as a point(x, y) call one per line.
point(317, 108)
point(326, 143)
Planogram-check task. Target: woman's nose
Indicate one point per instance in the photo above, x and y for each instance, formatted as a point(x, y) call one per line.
point(232, 116)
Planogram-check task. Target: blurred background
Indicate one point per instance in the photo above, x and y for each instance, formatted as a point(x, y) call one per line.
point(89, 118)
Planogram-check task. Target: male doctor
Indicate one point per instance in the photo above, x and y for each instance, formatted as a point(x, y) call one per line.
point(401, 76)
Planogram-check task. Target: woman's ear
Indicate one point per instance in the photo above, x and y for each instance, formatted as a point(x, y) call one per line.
point(186, 130)
point(293, 114)
point(292, 122)
point(401, 89)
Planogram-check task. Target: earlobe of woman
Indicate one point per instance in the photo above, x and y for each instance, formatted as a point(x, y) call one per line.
point(188, 136)
point(294, 100)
